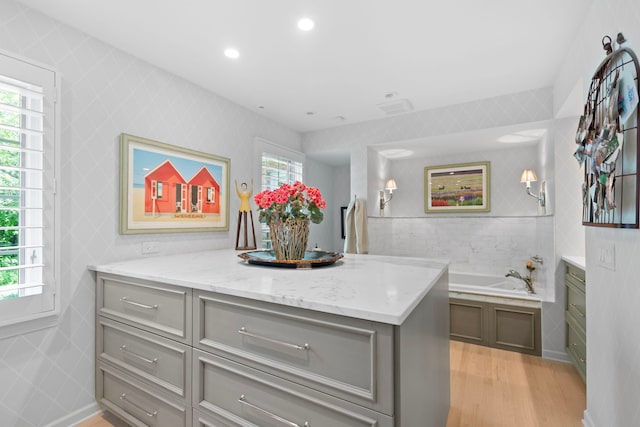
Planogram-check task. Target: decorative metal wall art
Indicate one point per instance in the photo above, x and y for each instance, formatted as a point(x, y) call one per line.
point(608, 140)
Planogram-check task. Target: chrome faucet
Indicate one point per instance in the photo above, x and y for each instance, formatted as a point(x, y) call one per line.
point(527, 280)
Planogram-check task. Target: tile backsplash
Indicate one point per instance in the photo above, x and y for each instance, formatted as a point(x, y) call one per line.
point(484, 245)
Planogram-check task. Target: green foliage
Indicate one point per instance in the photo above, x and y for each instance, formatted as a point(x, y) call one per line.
point(9, 198)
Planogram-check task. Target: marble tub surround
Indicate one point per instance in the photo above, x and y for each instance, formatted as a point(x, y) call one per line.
point(371, 287)
point(486, 245)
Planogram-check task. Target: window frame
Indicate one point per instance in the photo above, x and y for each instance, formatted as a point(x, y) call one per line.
point(18, 324)
point(264, 146)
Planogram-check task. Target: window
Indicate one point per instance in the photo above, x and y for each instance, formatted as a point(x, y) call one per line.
point(275, 171)
point(27, 191)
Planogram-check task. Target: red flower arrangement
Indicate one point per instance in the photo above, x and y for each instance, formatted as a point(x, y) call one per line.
point(290, 201)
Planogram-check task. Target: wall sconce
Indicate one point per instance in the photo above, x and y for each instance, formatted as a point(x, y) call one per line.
point(390, 186)
point(528, 175)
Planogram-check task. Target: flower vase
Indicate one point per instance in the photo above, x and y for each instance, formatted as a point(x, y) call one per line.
point(289, 238)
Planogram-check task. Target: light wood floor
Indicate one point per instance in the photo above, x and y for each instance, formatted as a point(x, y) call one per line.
point(495, 388)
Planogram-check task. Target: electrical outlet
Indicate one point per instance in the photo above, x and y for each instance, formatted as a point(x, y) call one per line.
point(607, 258)
point(150, 247)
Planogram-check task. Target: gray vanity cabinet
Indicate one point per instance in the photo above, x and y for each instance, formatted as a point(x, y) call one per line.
point(576, 317)
point(241, 395)
point(348, 358)
point(143, 351)
point(173, 356)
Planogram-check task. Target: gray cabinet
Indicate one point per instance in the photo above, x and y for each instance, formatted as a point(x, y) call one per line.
point(576, 317)
point(143, 351)
point(469, 321)
point(173, 356)
point(490, 322)
point(241, 395)
point(348, 358)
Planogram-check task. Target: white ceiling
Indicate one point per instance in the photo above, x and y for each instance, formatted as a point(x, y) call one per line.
point(431, 53)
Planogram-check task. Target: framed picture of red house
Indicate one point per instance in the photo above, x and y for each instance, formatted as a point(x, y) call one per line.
point(170, 189)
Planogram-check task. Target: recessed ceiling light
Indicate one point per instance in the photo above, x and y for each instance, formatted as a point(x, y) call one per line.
point(306, 24)
point(231, 53)
point(523, 136)
point(513, 138)
point(396, 153)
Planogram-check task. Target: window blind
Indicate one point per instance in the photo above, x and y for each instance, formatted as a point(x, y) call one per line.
point(27, 183)
point(277, 170)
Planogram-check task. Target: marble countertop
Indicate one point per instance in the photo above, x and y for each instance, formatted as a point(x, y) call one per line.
point(379, 288)
point(577, 261)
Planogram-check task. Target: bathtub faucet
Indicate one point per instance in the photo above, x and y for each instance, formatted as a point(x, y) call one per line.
point(527, 280)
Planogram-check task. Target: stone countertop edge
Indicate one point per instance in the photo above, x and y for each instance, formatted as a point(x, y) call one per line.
point(576, 261)
point(378, 288)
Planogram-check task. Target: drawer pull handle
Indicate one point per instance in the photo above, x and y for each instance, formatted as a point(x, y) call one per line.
point(123, 348)
point(123, 397)
point(576, 309)
point(138, 304)
point(579, 279)
point(243, 331)
point(243, 400)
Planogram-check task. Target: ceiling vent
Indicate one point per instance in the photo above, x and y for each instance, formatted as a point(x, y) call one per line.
point(396, 106)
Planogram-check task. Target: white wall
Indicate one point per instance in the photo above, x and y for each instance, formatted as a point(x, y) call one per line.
point(320, 175)
point(514, 109)
point(508, 195)
point(613, 318)
point(48, 374)
point(341, 197)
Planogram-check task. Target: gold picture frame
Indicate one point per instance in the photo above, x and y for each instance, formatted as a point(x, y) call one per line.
point(169, 189)
point(462, 187)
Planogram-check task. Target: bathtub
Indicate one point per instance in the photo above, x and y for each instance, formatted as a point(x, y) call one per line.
point(494, 311)
point(498, 286)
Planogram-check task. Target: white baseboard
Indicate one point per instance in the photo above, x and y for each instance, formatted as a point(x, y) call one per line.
point(559, 356)
point(587, 421)
point(76, 417)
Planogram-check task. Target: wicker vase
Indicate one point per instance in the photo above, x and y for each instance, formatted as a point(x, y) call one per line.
point(289, 238)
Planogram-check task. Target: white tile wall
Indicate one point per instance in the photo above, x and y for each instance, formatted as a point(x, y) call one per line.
point(485, 245)
point(47, 375)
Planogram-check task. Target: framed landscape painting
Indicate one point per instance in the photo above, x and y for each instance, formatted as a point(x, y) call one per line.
point(457, 188)
point(169, 189)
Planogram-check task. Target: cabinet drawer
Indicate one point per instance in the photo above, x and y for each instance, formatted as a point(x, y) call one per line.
point(576, 346)
point(576, 304)
point(163, 309)
point(245, 396)
point(348, 358)
point(150, 357)
point(576, 276)
point(209, 419)
point(136, 404)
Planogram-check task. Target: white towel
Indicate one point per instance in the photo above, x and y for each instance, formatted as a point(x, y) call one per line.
point(356, 234)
